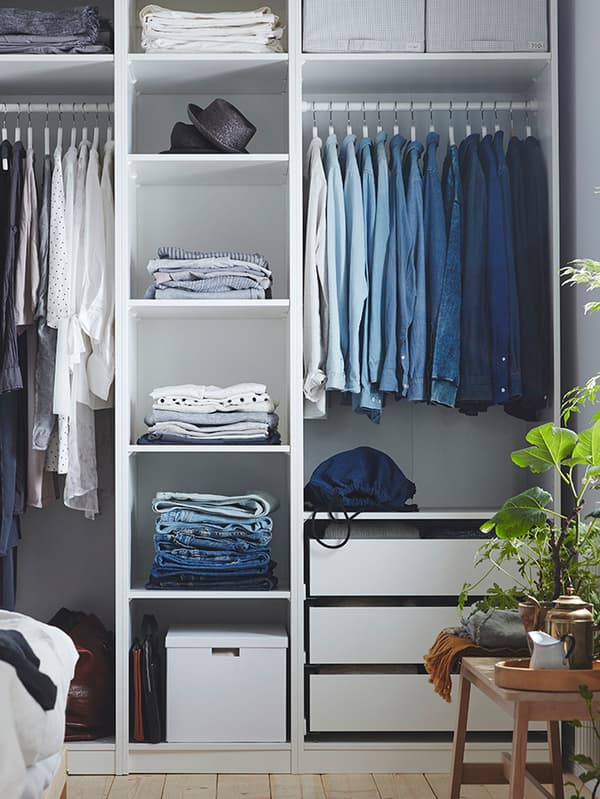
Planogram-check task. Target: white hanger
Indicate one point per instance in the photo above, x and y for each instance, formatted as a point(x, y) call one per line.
point(96, 136)
point(431, 125)
point(451, 140)
point(18, 125)
point(59, 131)
point(5, 164)
point(496, 125)
point(29, 128)
point(468, 128)
point(74, 128)
point(483, 125)
point(315, 130)
point(84, 130)
point(365, 127)
point(331, 129)
point(348, 122)
point(512, 121)
point(46, 134)
point(109, 131)
point(413, 129)
point(379, 125)
point(396, 125)
point(527, 125)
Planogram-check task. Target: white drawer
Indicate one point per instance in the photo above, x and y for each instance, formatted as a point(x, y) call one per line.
point(348, 635)
point(395, 567)
point(393, 703)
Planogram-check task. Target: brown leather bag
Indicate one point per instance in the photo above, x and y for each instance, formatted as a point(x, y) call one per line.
point(90, 703)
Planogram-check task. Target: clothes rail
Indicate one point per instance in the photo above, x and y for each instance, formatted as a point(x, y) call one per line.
point(463, 105)
point(56, 108)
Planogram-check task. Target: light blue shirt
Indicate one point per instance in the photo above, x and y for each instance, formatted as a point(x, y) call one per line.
point(417, 326)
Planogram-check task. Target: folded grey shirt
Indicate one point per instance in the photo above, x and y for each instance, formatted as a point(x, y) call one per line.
point(216, 418)
point(180, 254)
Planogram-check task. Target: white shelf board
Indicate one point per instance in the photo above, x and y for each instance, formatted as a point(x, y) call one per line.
point(223, 169)
point(149, 593)
point(212, 309)
point(136, 449)
point(334, 73)
point(99, 745)
point(180, 73)
point(424, 515)
point(210, 747)
point(79, 74)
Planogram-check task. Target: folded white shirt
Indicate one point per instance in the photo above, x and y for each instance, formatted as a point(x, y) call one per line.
point(246, 396)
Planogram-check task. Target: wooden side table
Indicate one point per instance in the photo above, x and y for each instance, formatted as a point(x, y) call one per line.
point(524, 706)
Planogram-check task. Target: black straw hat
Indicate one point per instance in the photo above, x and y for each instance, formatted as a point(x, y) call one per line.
point(186, 139)
point(223, 125)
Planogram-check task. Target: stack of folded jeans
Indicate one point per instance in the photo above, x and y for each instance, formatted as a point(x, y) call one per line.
point(189, 414)
point(70, 30)
point(213, 542)
point(255, 31)
point(189, 275)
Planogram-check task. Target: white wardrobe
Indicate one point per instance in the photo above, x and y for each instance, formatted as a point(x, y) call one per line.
point(358, 699)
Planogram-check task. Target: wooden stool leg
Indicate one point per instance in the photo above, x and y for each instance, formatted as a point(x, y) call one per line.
point(458, 748)
point(555, 758)
point(519, 752)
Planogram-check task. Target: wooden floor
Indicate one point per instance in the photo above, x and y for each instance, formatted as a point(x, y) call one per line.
point(278, 786)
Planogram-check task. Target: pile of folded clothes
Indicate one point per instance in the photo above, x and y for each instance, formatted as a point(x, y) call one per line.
point(212, 542)
point(189, 414)
point(180, 274)
point(255, 31)
point(70, 30)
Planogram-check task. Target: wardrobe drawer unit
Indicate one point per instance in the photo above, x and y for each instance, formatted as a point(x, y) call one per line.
point(378, 635)
point(394, 567)
point(355, 26)
point(486, 25)
point(392, 703)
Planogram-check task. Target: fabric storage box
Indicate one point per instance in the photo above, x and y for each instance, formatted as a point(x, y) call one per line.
point(354, 26)
point(226, 684)
point(486, 25)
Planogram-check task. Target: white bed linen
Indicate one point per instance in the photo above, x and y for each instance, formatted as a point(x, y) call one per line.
point(39, 777)
point(28, 734)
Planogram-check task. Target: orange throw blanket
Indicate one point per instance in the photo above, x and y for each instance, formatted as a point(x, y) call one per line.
point(445, 654)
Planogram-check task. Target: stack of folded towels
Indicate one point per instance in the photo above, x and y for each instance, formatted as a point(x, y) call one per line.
point(180, 274)
point(70, 30)
point(189, 414)
point(255, 31)
point(212, 542)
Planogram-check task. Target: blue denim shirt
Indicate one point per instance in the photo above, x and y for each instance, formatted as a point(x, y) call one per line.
point(377, 265)
point(337, 279)
point(417, 326)
point(445, 375)
point(497, 276)
point(369, 401)
point(356, 261)
point(435, 238)
point(515, 384)
point(475, 391)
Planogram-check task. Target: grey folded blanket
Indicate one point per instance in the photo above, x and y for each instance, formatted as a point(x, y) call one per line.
point(494, 629)
point(81, 22)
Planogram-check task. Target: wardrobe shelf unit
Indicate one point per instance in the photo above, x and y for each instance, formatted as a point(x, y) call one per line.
point(55, 74)
point(217, 309)
point(186, 73)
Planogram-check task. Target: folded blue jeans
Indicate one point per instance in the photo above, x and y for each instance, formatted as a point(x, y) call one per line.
point(243, 506)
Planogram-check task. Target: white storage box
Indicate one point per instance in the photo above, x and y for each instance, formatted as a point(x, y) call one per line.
point(226, 684)
point(486, 25)
point(355, 26)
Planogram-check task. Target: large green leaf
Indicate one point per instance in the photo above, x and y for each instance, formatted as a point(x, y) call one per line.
point(595, 432)
point(551, 446)
point(519, 514)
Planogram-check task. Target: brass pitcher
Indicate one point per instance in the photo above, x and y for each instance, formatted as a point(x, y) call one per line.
point(570, 614)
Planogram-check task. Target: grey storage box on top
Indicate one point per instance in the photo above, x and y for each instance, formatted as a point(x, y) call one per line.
point(486, 25)
point(354, 26)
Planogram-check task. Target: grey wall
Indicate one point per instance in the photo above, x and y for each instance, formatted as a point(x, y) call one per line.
point(579, 23)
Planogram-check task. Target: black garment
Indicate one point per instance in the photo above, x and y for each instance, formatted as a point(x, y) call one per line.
point(529, 186)
point(15, 650)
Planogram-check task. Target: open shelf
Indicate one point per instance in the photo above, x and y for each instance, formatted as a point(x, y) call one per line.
point(182, 73)
point(98, 745)
point(151, 594)
point(211, 747)
point(57, 74)
point(219, 309)
point(134, 449)
point(423, 515)
point(223, 169)
point(422, 72)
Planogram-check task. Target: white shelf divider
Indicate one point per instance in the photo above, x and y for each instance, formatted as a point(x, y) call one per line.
point(159, 595)
point(223, 169)
point(214, 309)
point(423, 515)
point(71, 73)
point(279, 449)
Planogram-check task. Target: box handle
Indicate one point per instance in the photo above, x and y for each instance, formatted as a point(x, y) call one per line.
point(229, 651)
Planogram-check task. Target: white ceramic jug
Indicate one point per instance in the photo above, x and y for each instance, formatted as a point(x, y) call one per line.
point(549, 652)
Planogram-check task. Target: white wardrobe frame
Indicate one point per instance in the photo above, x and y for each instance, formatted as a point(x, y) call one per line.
point(472, 73)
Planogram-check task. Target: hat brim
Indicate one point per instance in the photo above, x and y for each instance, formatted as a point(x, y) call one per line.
point(189, 150)
point(208, 134)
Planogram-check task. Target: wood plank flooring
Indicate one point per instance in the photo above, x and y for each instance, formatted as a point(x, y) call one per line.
point(278, 786)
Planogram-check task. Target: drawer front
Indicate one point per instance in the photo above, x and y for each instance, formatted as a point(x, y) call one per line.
point(348, 635)
point(393, 703)
point(393, 567)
